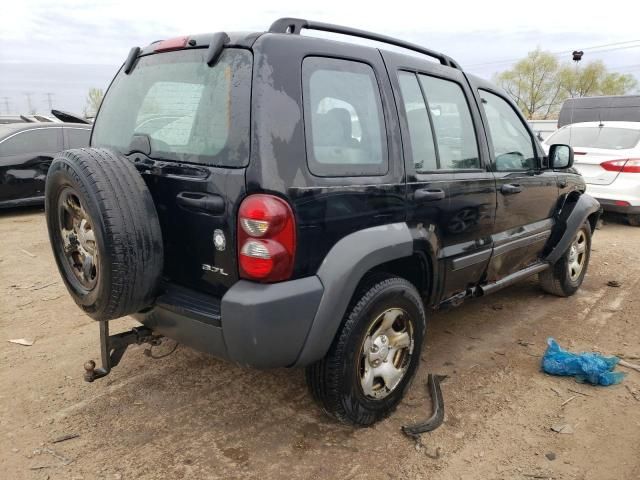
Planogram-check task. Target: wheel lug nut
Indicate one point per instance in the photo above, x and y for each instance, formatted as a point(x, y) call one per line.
point(374, 348)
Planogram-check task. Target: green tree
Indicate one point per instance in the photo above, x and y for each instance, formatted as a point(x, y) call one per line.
point(594, 79)
point(94, 99)
point(533, 84)
point(539, 83)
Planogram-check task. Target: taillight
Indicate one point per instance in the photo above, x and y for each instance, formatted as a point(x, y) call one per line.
point(624, 165)
point(266, 238)
point(171, 44)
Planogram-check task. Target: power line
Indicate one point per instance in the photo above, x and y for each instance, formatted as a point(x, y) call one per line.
point(597, 48)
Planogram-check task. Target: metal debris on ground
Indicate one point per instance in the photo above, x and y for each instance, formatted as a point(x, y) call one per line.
point(64, 438)
point(22, 341)
point(437, 416)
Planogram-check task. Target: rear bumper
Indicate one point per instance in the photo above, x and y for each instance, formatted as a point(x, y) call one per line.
point(610, 206)
point(625, 188)
point(257, 325)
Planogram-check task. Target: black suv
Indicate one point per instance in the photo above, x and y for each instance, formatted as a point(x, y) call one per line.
point(281, 200)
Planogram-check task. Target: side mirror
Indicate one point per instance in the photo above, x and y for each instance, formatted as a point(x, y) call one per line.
point(560, 156)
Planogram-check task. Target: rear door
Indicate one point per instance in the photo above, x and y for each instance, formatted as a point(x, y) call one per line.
point(25, 157)
point(527, 192)
point(186, 126)
point(450, 189)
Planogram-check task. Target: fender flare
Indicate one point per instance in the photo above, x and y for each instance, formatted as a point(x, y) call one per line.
point(340, 273)
point(569, 222)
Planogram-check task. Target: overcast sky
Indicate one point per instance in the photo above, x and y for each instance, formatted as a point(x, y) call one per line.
point(65, 47)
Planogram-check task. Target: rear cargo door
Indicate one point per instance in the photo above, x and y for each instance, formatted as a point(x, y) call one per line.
point(186, 127)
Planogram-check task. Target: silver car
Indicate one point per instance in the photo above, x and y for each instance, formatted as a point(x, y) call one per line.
point(607, 154)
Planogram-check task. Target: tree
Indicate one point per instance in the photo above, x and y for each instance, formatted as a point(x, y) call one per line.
point(594, 79)
point(533, 83)
point(94, 99)
point(539, 84)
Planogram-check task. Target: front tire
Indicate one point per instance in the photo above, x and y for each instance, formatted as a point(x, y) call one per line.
point(567, 274)
point(374, 355)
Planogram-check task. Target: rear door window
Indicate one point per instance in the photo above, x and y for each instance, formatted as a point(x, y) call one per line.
point(420, 128)
point(191, 112)
point(452, 122)
point(344, 121)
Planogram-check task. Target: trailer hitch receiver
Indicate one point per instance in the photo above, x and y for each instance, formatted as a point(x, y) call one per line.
point(112, 348)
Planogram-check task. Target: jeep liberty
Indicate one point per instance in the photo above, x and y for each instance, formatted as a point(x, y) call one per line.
point(282, 200)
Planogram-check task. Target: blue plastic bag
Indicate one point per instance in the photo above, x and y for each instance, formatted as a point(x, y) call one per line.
point(585, 367)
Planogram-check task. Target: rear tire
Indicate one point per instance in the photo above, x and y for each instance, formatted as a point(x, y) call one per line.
point(104, 231)
point(374, 355)
point(634, 219)
point(564, 277)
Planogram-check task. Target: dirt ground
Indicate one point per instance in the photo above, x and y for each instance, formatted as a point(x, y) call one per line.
point(191, 416)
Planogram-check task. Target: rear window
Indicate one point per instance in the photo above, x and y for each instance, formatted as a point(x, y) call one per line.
point(191, 112)
point(610, 138)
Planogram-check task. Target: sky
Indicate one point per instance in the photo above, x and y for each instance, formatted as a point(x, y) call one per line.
point(56, 50)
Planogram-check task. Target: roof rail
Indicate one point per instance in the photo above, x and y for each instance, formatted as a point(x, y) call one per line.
point(295, 25)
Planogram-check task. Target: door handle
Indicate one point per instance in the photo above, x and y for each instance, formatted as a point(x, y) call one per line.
point(201, 201)
point(429, 194)
point(510, 188)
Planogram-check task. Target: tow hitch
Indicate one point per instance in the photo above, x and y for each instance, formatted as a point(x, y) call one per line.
point(112, 348)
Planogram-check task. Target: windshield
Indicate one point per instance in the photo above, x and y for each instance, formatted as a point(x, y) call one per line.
point(611, 138)
point(191, 112)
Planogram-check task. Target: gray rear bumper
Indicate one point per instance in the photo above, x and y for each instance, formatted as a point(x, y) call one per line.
point(257, 325)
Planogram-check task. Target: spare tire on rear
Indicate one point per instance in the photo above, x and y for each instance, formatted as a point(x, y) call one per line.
point(104, 231)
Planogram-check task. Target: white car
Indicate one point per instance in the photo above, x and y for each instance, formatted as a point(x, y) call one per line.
point(607, 155)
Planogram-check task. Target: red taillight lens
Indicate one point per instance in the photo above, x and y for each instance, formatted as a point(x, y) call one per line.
point(266, 238)
point(626, 165)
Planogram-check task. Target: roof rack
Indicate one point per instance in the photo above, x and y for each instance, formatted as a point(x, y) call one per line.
point(295, 25)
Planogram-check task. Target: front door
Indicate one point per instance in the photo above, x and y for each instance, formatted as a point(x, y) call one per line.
point(527, 192)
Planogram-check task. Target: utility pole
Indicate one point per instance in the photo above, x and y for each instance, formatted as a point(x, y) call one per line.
point(49, 97)
point(29, 104)
point(6, 104)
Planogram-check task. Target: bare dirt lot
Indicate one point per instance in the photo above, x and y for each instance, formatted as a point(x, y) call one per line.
point(194, 417)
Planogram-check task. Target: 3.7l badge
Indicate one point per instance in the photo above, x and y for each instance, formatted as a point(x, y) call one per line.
point(211, 268)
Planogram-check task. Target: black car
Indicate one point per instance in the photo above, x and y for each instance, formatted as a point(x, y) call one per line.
point(281, 200)
point(26, 151)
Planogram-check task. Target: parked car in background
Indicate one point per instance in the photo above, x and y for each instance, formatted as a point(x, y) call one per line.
point(26, 151)
point(607, 154)
point(615, 108)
